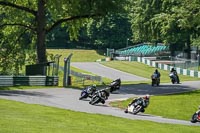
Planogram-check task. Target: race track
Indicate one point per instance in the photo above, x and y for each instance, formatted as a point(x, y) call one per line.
point(68, 98)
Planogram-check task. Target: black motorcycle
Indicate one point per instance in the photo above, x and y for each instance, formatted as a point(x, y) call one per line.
point(88, 92)
point(155, 80)
point(174, 78)
point(115, 85)
point(99, 97)
point(196, 116)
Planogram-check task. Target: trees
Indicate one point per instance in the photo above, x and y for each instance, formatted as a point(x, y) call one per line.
point(170, 21)
point(110, 32)
point(39, 17)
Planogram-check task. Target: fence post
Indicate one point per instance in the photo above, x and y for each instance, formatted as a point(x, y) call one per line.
point(66, 77)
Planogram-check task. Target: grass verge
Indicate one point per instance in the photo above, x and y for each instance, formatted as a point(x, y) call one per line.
point(143, 70)
point(26, 118)
point(176, 106)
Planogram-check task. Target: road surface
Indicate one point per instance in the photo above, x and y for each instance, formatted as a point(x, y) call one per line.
point(68, 98)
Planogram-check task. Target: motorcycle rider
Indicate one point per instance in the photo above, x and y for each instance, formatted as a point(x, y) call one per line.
point(156, 74)
point(115, 85)
point(196, 116)
point(176, 75)
point(91, 89)
point(103, 94)
point(199, 112)
point(144, 101)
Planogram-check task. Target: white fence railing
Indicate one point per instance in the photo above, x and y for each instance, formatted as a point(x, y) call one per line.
point(166, 67)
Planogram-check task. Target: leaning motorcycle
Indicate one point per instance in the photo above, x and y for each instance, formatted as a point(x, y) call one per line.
point(196, 116)
point(88, 92)
point(135, 108)
point(174, 78)
point(155, 80)
point(99, 96)
point(115, 85)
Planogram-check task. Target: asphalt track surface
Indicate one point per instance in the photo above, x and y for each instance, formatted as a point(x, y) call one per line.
point(68, 98)
point(108, 72)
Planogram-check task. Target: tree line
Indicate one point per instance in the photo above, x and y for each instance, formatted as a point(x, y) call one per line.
point(28, 27)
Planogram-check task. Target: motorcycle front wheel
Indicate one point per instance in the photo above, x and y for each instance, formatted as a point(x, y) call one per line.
point(194, 120)
point(137, 110)
point(83, 95)
point(94, 100)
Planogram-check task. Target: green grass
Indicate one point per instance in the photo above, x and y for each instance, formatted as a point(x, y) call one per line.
point(16, 117)
point(143, 70)
point(80, 83)
point(78, 55)
point(22, 118)
point(136, 68)
point(177, 106)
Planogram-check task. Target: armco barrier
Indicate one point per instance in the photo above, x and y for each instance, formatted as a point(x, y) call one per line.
point(86, 76)
point(29, 80)
point(186, 72)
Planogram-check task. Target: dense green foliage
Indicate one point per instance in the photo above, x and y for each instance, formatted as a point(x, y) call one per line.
point(111, 31)
point(37, 18)
point(91, 24)
point(170, 21)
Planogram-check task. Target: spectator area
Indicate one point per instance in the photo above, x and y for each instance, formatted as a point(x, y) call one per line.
point(142, 50)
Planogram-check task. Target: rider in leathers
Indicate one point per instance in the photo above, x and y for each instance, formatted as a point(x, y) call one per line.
point(144, 100)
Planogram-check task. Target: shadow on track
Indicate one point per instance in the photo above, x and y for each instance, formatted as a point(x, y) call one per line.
point(142, 89)
point(18, 93)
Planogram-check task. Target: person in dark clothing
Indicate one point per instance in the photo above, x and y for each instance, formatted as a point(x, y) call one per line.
point(144, 101)
point(175, 74)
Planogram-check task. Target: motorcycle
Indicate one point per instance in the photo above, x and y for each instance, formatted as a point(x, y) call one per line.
point(196, 116)
point(99, 96)
point(174, 78)
point(135, 107)
point(88, 92)
point(155, 80)
point(115, 85)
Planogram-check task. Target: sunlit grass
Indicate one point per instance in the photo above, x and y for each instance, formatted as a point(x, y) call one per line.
point(78, 55)
point(177, 106)
point(143, 70)
point(16, 117)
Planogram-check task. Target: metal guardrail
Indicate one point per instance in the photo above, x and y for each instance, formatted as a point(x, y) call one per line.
point(29, 80)
point(86, 76)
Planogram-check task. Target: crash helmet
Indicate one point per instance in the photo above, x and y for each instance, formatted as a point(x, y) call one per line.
point(147, 97)
point(156, 71)
point(94, 87)
point(91, 88)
